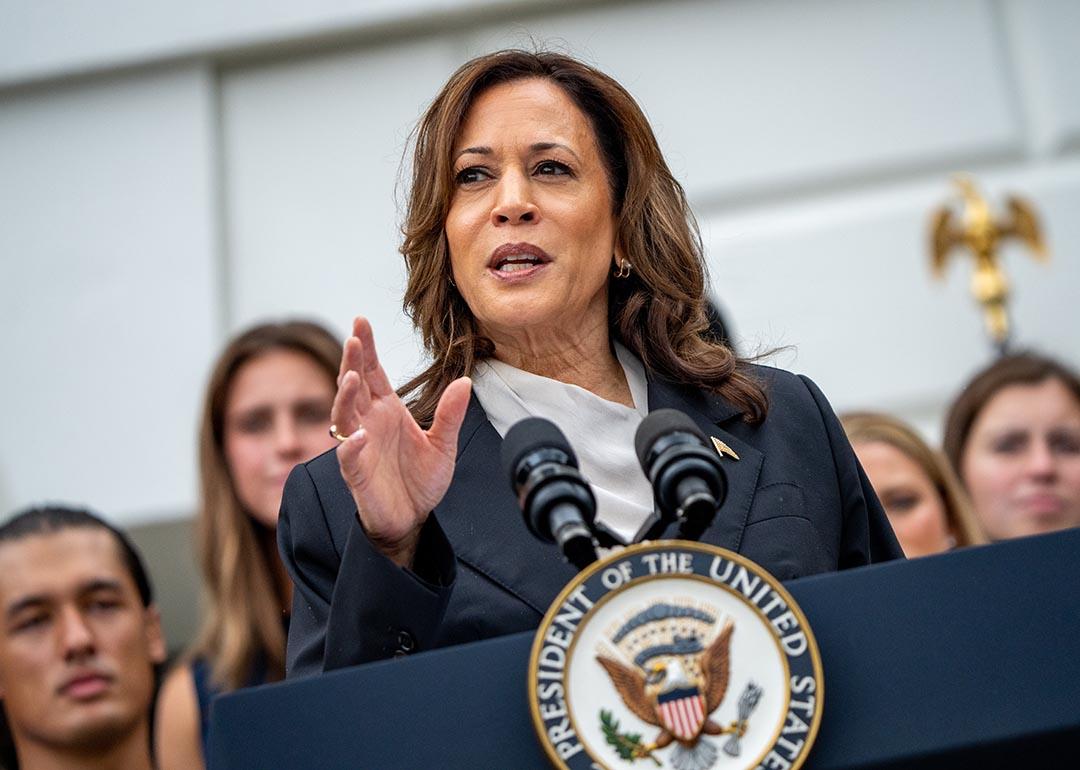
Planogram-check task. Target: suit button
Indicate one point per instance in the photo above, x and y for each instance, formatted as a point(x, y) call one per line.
point(406, 643)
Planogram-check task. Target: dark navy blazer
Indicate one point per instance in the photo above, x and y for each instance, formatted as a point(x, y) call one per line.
point(798, 504)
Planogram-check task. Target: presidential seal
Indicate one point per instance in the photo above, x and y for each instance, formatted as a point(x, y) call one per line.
point(675, 654)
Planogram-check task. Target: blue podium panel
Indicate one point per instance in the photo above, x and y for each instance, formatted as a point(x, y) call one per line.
point(967, 659)
point(459, 707)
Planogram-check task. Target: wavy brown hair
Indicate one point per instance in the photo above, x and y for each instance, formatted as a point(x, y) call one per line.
point(658, 312)
point(865, 427)
point(241, 627)
point(1022, 368)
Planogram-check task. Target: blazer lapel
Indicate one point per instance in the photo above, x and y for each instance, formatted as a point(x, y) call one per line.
point(709, 412)
point(481, 518)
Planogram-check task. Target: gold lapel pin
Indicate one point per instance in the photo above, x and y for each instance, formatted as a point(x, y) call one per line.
point(723, 448)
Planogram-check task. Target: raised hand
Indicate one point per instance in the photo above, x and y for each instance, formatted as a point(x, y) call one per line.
point(397, 472)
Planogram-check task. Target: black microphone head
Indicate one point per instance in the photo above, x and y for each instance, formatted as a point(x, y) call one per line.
point(687, 478)
point(556, 501)
point(660, 423)
point(527, 436)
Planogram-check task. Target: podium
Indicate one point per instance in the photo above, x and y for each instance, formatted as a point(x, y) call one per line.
point(968, 659)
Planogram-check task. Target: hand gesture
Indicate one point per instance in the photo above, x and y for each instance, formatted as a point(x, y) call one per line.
point(397, 472)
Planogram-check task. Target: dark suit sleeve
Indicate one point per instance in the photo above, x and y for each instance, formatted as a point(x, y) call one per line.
point(354, 605)
point(866, 536)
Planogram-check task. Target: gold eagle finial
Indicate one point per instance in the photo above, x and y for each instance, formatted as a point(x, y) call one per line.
point(976, 230)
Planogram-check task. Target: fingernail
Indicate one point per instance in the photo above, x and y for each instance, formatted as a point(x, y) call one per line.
point(359, 433)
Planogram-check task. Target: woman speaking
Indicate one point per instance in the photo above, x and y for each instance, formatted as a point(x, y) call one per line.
point(554, 270)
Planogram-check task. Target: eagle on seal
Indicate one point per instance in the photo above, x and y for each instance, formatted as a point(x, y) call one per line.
point(676, 689)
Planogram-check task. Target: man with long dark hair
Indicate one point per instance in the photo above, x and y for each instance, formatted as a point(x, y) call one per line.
point(79, 642)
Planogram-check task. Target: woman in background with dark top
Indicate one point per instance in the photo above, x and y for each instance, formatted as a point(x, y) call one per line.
point(554, 270)
point(927, 508)
point(1013, 436)
point(267, 408)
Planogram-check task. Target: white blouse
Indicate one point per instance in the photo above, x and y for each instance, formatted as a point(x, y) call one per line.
point(600, 432)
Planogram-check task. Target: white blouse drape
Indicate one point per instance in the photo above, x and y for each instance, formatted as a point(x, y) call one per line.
point(600, 432)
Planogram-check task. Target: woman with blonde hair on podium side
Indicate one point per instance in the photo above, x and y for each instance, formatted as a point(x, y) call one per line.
point(926, 505)
point(267, 408)
point(554, 270)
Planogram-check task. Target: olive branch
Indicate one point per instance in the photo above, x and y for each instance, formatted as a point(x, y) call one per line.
point(627, 745)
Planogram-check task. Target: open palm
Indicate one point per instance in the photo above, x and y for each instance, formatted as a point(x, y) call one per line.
point(396, 471)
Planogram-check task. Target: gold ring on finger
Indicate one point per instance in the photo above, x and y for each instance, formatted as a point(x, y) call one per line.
point(334, 433)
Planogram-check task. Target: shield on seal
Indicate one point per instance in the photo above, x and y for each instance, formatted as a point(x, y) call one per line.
point(682, 712)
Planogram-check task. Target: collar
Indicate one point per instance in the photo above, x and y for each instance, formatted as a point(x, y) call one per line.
point(483, 522)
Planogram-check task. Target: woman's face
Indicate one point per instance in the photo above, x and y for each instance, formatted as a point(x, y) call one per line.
point(531, 228)
point(912, 503)
point(1021, 461)
point(277, 414)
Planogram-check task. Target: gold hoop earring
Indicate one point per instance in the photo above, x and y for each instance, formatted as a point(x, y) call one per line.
point(624, 268)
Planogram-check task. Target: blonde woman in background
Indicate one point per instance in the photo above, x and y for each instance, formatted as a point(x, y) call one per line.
point(927, 507)
point(267, 408)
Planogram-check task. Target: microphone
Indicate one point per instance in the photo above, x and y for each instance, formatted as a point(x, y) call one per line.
point(686, 475)
point(555, 499)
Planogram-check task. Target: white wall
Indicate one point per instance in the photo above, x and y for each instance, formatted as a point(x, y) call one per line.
point(107, 295)
point(221, 179)
point(756, 97)
point(312, 151)
point(40, 40)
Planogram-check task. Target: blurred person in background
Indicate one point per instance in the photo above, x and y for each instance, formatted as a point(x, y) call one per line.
point(1013, 436)
point(267, 408)
point(928, 509)
point(80, 642)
